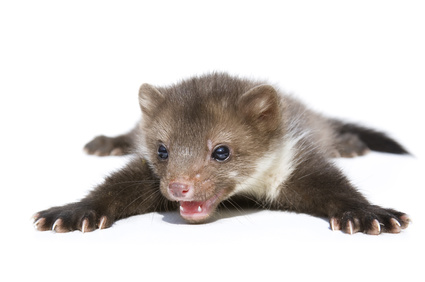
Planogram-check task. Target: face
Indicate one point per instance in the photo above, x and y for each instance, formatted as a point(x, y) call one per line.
point(201, 149)
point(197, 158)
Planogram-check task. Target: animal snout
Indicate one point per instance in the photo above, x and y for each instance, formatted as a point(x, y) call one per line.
point(180, 190)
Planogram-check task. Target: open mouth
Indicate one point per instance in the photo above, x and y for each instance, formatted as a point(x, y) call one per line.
point(198, 211)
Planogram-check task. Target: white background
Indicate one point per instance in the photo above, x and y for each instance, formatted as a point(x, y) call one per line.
point(71, 70)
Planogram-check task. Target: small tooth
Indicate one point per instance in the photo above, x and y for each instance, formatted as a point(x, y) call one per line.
point(199, 209)
point(181, 208)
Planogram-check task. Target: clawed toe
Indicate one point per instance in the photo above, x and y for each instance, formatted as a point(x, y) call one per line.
point(405, 221)
point(70, 218)
point(394, 226)
point(335, 225)
point(349, 229)
point(372, 222)
point(39, 224)
point(102, 223)
point(375, 228)
point(107, 146)
point(59, 227)
point(85, 225)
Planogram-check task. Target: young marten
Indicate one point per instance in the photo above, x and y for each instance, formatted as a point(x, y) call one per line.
point(217, 139)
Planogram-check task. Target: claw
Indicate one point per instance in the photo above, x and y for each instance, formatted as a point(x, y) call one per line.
point(35, 216)
point(102, 222)
point(405, 221)
point(84, 225)
point(378, 225)
point(395, 226)
point(376, 228)
point(350, 226)
point(57, 223)
point(116, 152)
point(38, 221)
point(395, 221)
point(334, 224)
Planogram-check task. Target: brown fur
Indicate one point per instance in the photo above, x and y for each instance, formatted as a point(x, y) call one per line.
point(278, 157)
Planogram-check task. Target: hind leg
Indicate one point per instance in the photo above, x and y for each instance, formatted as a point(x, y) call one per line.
point(112, 146)
point(349, 145)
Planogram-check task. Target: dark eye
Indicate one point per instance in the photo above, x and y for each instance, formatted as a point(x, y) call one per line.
point(162, 152)
point(221, 153)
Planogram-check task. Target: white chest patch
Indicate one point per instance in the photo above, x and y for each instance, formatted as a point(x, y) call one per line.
point(271, 171)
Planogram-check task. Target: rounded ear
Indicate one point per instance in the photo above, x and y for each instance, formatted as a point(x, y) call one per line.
point(149, 98)
point(261, 106)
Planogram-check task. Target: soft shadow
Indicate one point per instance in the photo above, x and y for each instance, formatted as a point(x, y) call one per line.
point(221, 213)
point(172, 217)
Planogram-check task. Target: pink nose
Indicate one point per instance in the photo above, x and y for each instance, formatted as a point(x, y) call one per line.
point(180, 190)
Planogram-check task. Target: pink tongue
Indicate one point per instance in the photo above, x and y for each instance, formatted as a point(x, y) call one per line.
point(192, 207)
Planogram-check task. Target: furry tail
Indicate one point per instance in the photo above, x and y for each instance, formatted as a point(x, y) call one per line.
point(375, 140)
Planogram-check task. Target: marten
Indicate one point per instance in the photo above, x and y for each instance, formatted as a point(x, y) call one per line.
point(217, 140)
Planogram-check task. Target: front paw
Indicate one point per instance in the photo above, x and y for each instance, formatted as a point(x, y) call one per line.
point(371, 220)
point(107, 146)
point(75, 216)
